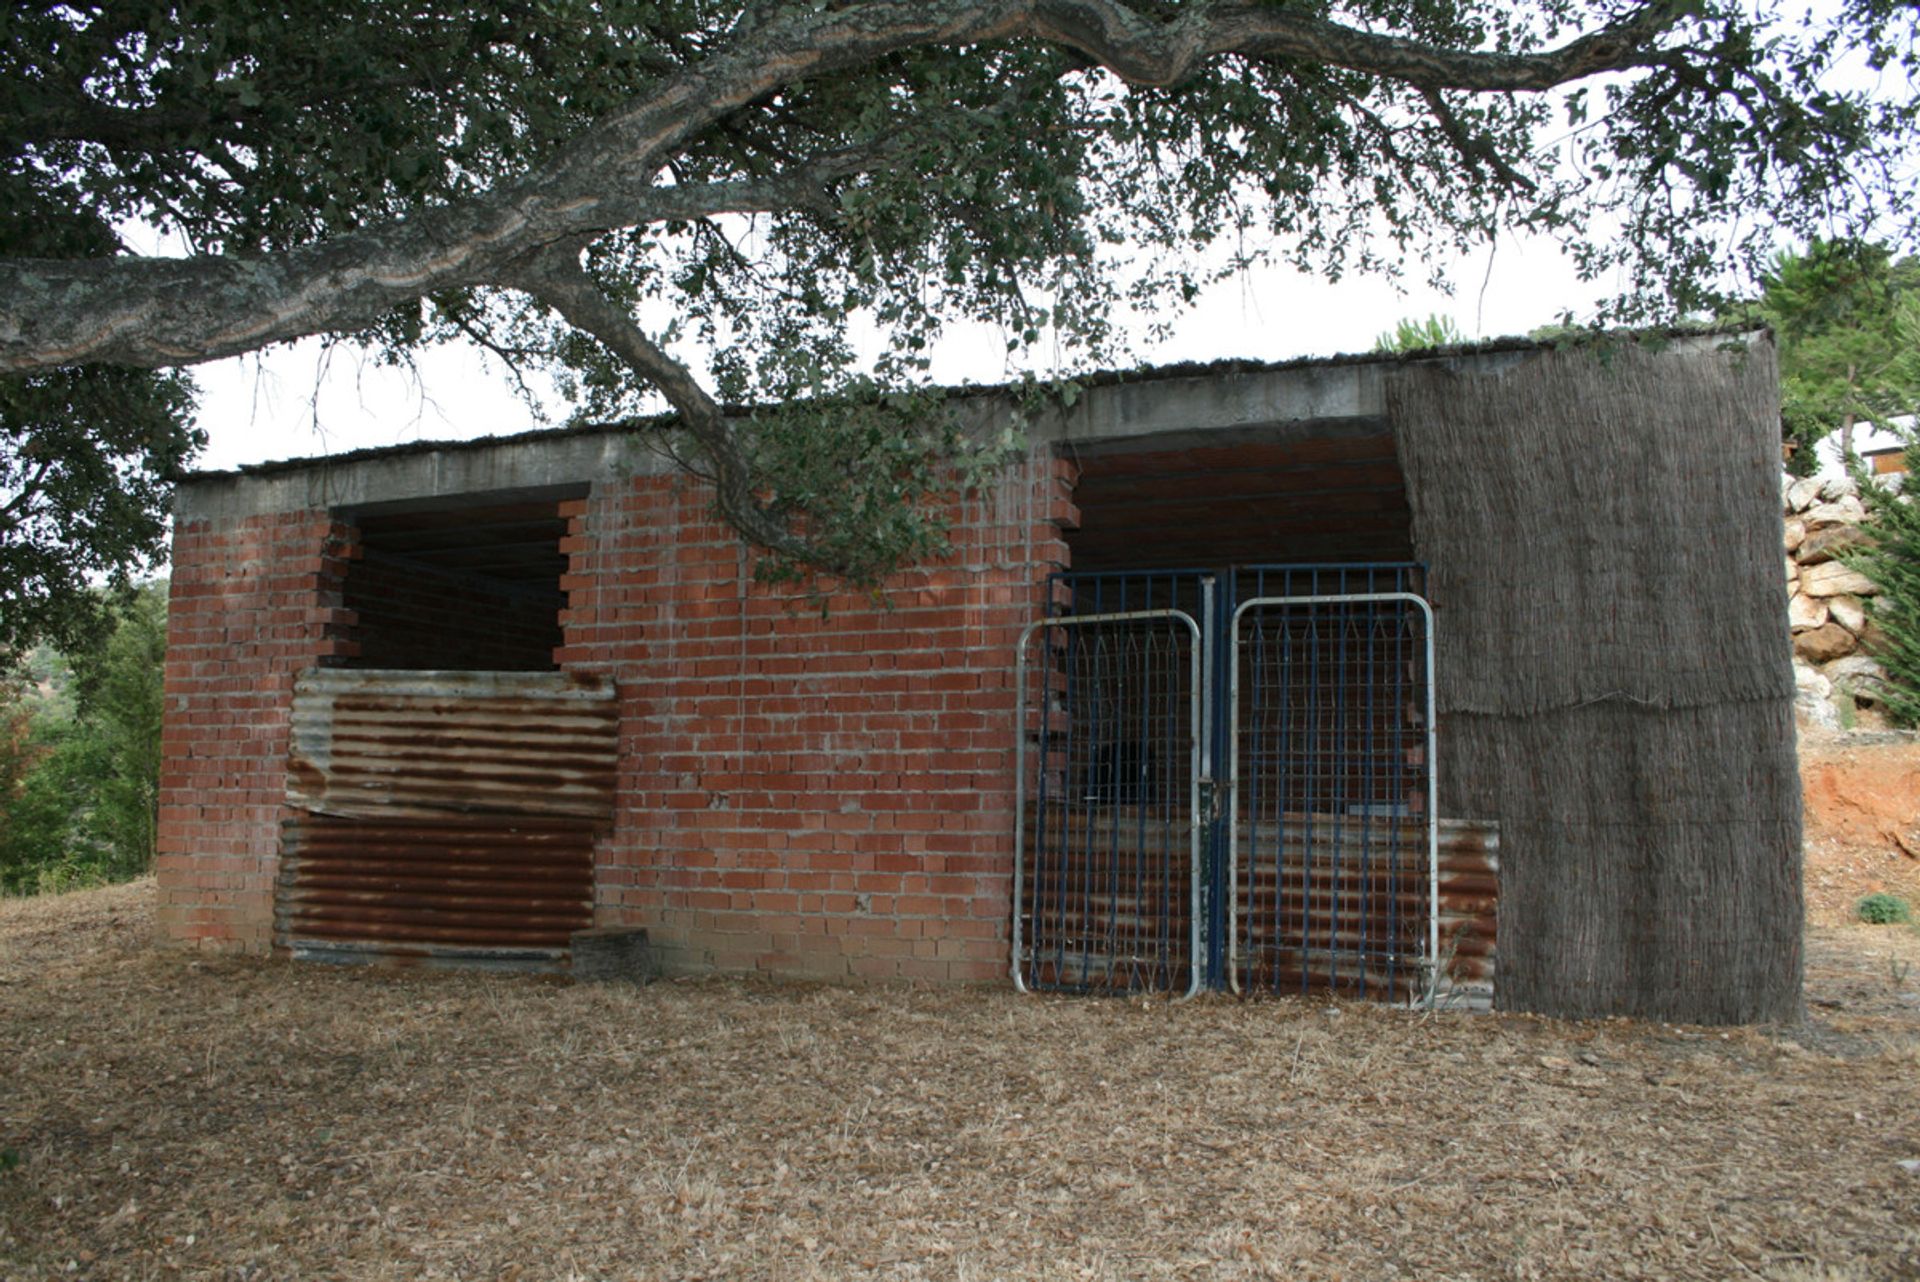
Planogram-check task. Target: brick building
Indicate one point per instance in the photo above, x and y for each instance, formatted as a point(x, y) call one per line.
point(454, 703)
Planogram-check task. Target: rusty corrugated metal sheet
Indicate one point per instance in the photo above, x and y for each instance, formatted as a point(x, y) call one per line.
point(1114, 896)
point(1469, 911)
point(422, 744)
point(1362, 888)
point(444, 817)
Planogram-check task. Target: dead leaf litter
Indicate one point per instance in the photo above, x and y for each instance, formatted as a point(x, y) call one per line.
point(174, 1115)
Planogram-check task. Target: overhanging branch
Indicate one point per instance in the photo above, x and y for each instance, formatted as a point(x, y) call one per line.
point(554, 277)
point(1475, 153)
point(156, 313)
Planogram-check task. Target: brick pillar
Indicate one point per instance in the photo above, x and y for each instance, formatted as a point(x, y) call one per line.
point(252, 605)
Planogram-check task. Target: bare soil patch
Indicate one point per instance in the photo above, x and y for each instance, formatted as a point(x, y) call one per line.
point(1863, 819)
point(178, 1116)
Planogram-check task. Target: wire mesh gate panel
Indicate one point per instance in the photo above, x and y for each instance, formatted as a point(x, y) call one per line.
point(1107, 856)
point(1332, 843)
point(1309, 864)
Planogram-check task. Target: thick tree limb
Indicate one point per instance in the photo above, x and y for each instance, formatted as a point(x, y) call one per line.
point(555, 278)
point(168, 312)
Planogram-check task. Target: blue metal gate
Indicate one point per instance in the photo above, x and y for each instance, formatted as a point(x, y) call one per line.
point(1226, 780)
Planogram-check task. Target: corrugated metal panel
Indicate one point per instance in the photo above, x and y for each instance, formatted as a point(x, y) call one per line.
point(444, 817)
point(1108, 907)
point(378, 743)
point(1110, 886)
point(1469, 912)
point(1326, 912)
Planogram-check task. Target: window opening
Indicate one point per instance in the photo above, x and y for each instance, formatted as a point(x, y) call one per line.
point(471, 584)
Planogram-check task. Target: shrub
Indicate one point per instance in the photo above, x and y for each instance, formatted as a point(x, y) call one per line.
point(1892, 561)
point(1417, 335)
point(1882, 909)
point(80, 758)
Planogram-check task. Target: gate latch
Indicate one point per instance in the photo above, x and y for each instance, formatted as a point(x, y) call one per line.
point(1210, 791)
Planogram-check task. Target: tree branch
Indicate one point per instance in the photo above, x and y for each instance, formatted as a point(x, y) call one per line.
point(1475, 153)
point(28, 489)
point(554, 277)
point(158, 313)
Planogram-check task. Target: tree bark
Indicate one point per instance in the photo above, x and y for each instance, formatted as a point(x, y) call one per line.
point(153, 313)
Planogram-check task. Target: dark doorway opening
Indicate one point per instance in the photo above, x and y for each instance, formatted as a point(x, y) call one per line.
point(465, 584)
point(1299, 494)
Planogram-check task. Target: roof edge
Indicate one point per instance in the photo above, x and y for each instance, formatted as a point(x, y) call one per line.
point(1573, 338)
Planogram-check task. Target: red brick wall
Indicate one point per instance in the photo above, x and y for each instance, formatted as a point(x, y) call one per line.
point(807, 795)
point(801, 794)
point(252, 605)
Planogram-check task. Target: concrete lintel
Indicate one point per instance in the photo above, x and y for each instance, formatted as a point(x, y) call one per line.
point(1313, 397)
point(461, 468)
point(1298, 400)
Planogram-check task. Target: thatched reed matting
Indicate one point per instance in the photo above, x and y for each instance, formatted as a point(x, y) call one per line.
point(1602, 531)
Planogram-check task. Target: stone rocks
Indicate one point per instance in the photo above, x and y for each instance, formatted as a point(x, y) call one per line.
point(1860, 677)
point(1813, 698)
point(1833, 635)
point(1823, 644)
point(1849, 614)
point(1804, 613)
point(1802, 494)
point(1847, 511)
point(1824, 545)
point(612, 954)
point(1831, 578)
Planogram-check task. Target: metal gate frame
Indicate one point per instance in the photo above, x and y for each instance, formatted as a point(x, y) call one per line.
point(1231, 783)
point(1215, 667)
point(1199, 771)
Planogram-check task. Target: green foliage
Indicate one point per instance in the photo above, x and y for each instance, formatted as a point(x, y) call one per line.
point(245, 126)
point(1883, 909)
point(80, 758)
point(20, 753)
point(40, 838)
point(861, 476)
point(118, 695)
point(86, 461)
point(1012, 182)
point(1414, 335)
point(1842, 311)
point(1892, 561)
point(87, 452)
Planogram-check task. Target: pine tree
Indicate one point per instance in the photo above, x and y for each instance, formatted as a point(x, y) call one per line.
point(1837, 309)
point(1892, 561)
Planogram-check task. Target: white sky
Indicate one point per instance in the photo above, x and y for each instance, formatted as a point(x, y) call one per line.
point(300, 401)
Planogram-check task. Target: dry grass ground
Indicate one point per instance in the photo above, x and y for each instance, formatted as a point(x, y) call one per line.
point(178, 1116)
